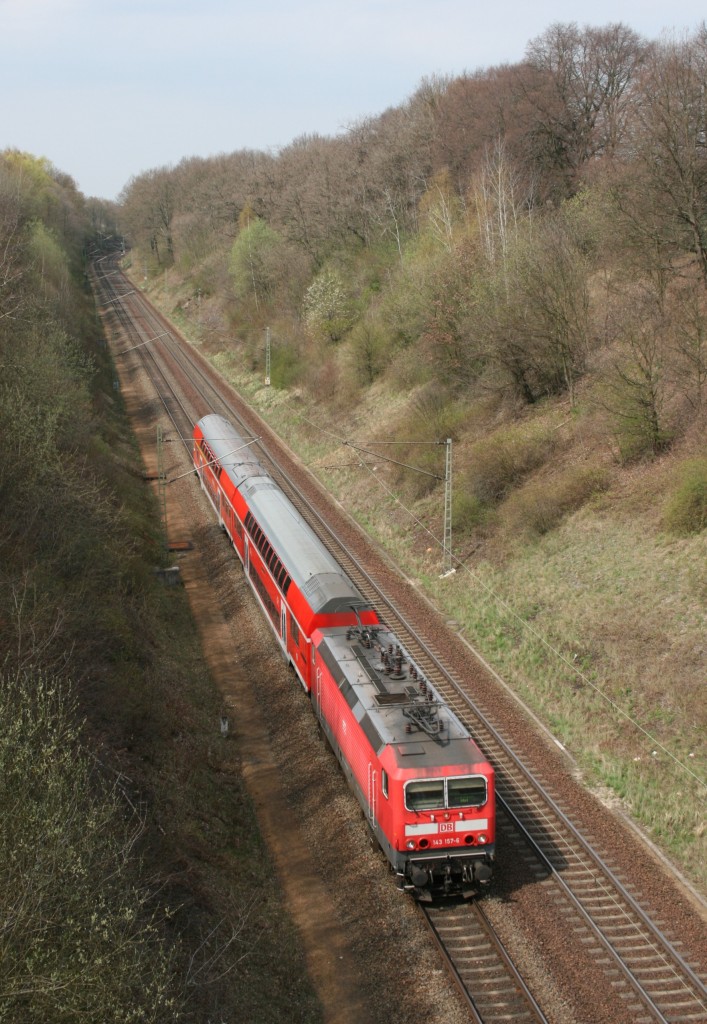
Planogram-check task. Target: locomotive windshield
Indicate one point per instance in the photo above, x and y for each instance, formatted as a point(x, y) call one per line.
point(436, 794)
point(468, 791)
point(426, 795)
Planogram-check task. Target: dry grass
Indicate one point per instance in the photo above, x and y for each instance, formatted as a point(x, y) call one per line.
point(541, 505)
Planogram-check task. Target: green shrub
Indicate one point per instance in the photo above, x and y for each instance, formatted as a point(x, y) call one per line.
point(254, 261)
point(432, 417)
point(542, 504)
point(637, 441)
point(469, 513)
point(686, 511)
point(287, 366)
point(370, 350)
point(328, 311)
point(501, 462)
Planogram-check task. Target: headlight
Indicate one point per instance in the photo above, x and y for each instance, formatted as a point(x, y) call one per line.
point(482, 838)
point(410, 844)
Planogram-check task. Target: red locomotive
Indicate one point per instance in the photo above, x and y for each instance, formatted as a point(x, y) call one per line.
point(424, 786)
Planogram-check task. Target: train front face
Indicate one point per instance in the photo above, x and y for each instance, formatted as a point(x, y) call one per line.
point(446, 827)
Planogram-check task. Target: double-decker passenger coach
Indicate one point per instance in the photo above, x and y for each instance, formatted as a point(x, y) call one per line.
point(299, 585)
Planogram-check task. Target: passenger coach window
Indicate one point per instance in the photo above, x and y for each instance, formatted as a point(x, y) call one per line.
point(466, 792)
point(425, 795)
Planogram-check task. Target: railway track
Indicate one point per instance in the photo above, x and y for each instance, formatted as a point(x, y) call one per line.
point(617, 938)
point(482, 969)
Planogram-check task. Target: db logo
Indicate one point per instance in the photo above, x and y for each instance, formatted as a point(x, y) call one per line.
point(446, 826)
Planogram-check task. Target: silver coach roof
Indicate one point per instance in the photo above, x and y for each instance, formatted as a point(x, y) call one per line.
point(229, 447)
point(309, 564)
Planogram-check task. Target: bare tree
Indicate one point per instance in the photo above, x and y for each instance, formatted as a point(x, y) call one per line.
point(149, 206)
point(556, 286)
point(79, 936)
point(672, 148)
point(499, 204)
point(635, 383)
point(11, 264)
point(582, 91)
point(689, 345)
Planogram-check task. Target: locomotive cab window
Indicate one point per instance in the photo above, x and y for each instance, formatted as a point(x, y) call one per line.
point(384, 783)
point(465, 792)
point(425, 795)
point(436, 794)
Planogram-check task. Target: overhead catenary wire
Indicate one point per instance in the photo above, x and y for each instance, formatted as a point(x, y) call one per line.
point(404, 465)
point(218, 458)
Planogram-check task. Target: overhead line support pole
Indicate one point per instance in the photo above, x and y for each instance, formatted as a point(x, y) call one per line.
point(447, 567)
point(267, 356)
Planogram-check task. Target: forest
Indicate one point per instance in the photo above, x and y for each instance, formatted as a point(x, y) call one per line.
point(513, 226)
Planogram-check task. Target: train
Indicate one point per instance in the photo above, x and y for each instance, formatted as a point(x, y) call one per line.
point(424, 787)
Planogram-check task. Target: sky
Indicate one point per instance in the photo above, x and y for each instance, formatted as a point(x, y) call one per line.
point(107, 89)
